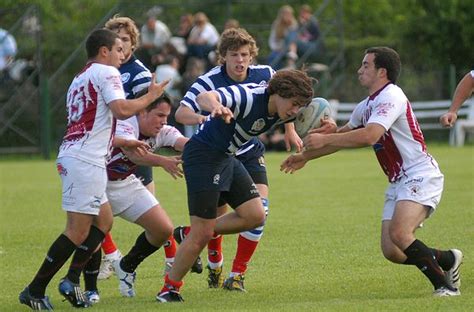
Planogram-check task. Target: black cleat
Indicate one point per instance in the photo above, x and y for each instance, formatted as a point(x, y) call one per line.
point(35, 303)
point(169, 296)
point(73, 293)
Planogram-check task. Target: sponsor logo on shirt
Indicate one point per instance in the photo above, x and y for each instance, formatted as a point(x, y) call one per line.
point(383, 109)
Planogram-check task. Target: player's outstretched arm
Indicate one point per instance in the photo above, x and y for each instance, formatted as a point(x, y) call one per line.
point(209, 102)
point(293, 162)
point(186, 116)
point(123, 109)
point(463, 91)
point(134, 147)
point(292, 138)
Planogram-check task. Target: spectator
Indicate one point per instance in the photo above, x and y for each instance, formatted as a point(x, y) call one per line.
point(168, 70)
point(231, 23)
point(186, 23)
point(154, 34)
point(308, 42)
point(8, 49)
point(203, 37)
point(194, 68)
point(282, 39)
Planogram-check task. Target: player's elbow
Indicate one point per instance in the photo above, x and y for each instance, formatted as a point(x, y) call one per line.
point(180, 115)
point(120, 110)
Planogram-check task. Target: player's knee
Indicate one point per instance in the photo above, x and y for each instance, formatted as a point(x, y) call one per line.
point(399, 236)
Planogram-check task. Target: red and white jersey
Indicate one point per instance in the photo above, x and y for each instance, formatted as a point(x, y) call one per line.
point(90, 121)
point(402, 147)
point(119, 166)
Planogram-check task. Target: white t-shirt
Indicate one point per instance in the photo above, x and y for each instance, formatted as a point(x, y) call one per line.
point(402, 147)
point(90, 121)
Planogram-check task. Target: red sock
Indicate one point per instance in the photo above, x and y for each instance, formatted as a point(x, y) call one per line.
point(245, 250)
point(108, 245)
point(171, 285)
point(170, 248)
point(186, 231)
point(214, 249)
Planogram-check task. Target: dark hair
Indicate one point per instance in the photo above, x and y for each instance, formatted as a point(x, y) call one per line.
point(387, 58)
point(164, 98)
point(289, 83)
point(100, 38)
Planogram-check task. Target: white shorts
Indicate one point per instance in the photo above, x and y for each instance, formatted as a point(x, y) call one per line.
point(129, 198)
point(423, 185)
point(83, 185)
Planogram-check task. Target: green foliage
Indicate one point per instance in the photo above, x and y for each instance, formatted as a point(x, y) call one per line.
point(320, 250)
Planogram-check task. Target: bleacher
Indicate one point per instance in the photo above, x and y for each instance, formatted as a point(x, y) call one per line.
point(427, 114)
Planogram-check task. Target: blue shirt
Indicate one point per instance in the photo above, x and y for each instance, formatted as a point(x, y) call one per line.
point(135, 77)
point(217, 78)
point(249, 103)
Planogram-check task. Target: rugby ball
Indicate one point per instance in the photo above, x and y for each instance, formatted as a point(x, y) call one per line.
point(310, 116)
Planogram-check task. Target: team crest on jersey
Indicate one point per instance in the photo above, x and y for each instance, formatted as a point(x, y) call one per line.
point(125, 77)
point(258, 125)
point(61, 169)
point(216, 179)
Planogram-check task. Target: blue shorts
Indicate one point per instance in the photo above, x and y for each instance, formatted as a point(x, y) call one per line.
point(254, 161)
point(211, 174)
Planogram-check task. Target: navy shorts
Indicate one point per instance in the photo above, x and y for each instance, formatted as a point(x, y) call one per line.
point(212, 174)
point(254, 162)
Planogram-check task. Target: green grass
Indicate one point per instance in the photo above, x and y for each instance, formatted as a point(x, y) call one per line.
point(320, 250)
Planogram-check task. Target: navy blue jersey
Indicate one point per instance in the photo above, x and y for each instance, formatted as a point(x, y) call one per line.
point(135, 77)
point(217, 78)
point(249, 103)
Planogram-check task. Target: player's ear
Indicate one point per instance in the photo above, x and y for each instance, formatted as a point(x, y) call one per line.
point(104, 51)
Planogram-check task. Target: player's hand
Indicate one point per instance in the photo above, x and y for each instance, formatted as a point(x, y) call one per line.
point(314, 141)
point(293, 163)
point(293, 139)
point(172, 166)
point(448, 119)
point(157, 89)
point(223, 112)
point(136, 148)
point(328, 125)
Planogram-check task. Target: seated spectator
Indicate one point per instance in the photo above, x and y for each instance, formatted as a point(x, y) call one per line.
point(8, 49)
point(309, 41)
point(194, 68)
point(180, 37)
point(231, 23)
point(186, 23)
point(154, 35)
point(203, 37)
point(282, 39)
point(169, 70)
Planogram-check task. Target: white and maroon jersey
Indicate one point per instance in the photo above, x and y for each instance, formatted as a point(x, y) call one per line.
point(402, 146)
point(90, 120)
point(119, 166)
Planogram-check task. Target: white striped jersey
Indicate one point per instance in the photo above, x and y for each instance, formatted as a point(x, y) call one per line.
point(249, 103)
point(90, 120)
point(402, 146)
point(218, 77)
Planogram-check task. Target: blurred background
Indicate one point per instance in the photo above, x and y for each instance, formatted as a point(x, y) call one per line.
point(43, 48)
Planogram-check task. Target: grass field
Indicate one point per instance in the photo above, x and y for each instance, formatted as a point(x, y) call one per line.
point(320, 250)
